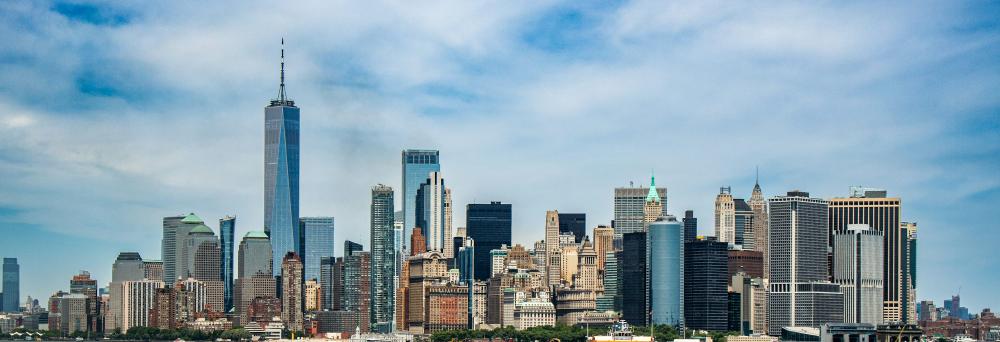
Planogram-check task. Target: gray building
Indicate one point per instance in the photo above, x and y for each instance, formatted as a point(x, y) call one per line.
point(857, 268)
point(11, 286)
point(666, 271)
point(744, 224)
point(800, 295)
point(610, 300)
point(281, 174)
point(175, 234)
point(383, 259)
point(255, 254)
point(630, 209)
point(317, 243)
point(417, 166)
point(127, 267)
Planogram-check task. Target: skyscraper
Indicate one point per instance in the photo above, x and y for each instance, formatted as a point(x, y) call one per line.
point(357, 286)
point(227, 239)
point(610, 300)
point(630, 208)
point(430, 216)
point(174, 244)
point(760, 224)
point(603, 243)
point(417, 166)
point(800, 294)
point(281, 173)
point(666, 271)
point(575, 224)
point(490, 226)
point(256, 277)
point(705, 279)
point(11, 285)
point(857, 268)
point(743, 222)
point(881, 214)
point(317, 243)
point(255, 254)
point(553, 260)
point(383, 258)
point(632, 283)
point(725, 216)
point(690, 226)
point(909, 229)
point(82, 284)
point(292, 305)
point(127, 267)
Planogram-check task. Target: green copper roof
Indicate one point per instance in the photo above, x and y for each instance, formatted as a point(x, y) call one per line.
point(192, 218)
point(652, 196)
point(256, 234)
point(201, 229)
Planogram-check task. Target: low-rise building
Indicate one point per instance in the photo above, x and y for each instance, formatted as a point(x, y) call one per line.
point(534, 313)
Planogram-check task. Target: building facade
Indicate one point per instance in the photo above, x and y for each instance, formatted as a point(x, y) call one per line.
point(291, 292)
point(725, 216)
point(632, 283)
point(383, 259)
point(417, 166)
point(857, 268)
point(490, 226)
point(630, 208)
point(11, 286)
point(317, 243)
point(705, 278)
point(573, 223)
point(281, 174)
point(227, 241)
point(666, 260)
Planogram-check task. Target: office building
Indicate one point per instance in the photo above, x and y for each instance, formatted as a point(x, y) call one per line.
point(383, 258)
point(575, 224)
point(725, 216)
point(759, 207)
point(553, 257)
point(666, 260)
point(882, 215)
point(417, 167)
point(490, 226)
point(317, 243)
point(498, 260)
point(447, 308)
point(800, 295)
point(853, 332)
point(571, 304)
point(690, 226)
point(448, 233)
point(291, 292)
point(137, 300)
point(909, 271)
point(604, 237)
point(857, 268)
point(630, 208)
point(632, 285)
point(11, 285)
point(281, 174)
point(357, 286)
point(430, 215)
point(73, 314)
point(610, 299)
point(425, 270)
point(202, 255)
point(331, 273)
point(82, 284)
point(227, 241)
point(746, 261)
point(743, 223)
point(753, 303)
point(256, 279)
point(128, 266)
point(706, 275)
point(173, 250)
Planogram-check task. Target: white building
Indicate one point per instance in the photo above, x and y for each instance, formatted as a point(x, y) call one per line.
point(534, 313)
point(857, 267)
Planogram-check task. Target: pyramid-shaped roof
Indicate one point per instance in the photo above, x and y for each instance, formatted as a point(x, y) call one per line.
point(192, 218)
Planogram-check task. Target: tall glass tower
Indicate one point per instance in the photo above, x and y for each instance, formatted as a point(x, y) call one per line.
point(317, 243)
point(227, 236)
point(11, 285)
point(417, 166)
point(281, 173)
point(383, 263)
point(665, 276)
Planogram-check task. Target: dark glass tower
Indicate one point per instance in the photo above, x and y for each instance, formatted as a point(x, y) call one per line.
point(281, 174)
point(573, 223)
point(227, 231)
point(633, 287)
point(690, 226)
point(317, 243)
point(489, 226)
point(11, 285)
point(705, 284)
point(383, 263)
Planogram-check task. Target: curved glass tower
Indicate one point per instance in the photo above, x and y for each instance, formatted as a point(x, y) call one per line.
point(666, 275)
point(281, 174)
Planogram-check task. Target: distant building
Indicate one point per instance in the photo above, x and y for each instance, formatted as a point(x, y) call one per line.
point(760, 224)
point(417, 166)
point(291, 291)
point(857, 268)
point(384, 259)
point(313, 294)
point(127, 267)
point(610, 300)
point(317, 234)
point(743, 223)
point(725, 216)
point(705, 279)
point(553, 257)
point(357, 286)
point(137, 301)
point(630, 208)
point(447, 308)
point(227, 242)
point(256, 280)
point(83, 285)
point(572, 304)
point(534, 313)
point(666, 275)
point(750, 262)
point(573, 223)
point(281, 174)
point(604, 237)
point(174, 244)
point(753, 303)
point(432, 204)
point(633, 287)
point(490, 225)
point(153, 269)
point(690, 226)
point(855, 332)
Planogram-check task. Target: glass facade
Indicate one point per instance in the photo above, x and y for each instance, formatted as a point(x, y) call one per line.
point(281, 179)
point(227, 231)
point(666, 271)
point(255, 255)
point(490, 226)
point(573, 223)
point(632, 260)
point(383, 263)
point(317, 243)
point(417, 165)
point(11, 285)
point(706, 275)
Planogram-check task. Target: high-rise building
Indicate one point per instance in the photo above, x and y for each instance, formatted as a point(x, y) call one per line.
point(430, 216)
point(174, 245)
point(490, 226)
point(417, 166)
point(632, 283)
point(604, 237)
point(291, 292)
point(256, 279)
point(83, 285)
point(690, 226)
point(467, 270)
point(127, 267)
point(753, 303)
point(73, 314)
point(665, 250)
point(553, 260)
point(909, 271)
point(610, 300)
point(202, 255)
point(255, 254)
point(746, 261)
point(448, 233)
point(137, 300)
point(631, 210)
point(881, 214)
point(281, 173)
point(383, 258)
point(705, 278)
point(153, 269)
point(317, 243)
point(743, 220)
point(357, 286)
point(857, 268)
point(800, 294)
point(11, 285)
point(329, 275)
point(313, 295)
point(760, 224)
point(573, 223)
point(725, 216)
point(227, 240)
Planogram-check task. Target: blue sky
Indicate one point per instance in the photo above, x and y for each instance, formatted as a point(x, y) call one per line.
point(113, 115)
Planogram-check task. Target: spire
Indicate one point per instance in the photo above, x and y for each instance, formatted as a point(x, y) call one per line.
point(282, 99)
point(652, 196)
point(756, 180)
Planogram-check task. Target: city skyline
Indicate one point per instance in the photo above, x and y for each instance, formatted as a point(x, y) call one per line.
point(926, 126)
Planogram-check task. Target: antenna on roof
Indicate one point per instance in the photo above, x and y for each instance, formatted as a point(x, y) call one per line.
point(281, 88)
